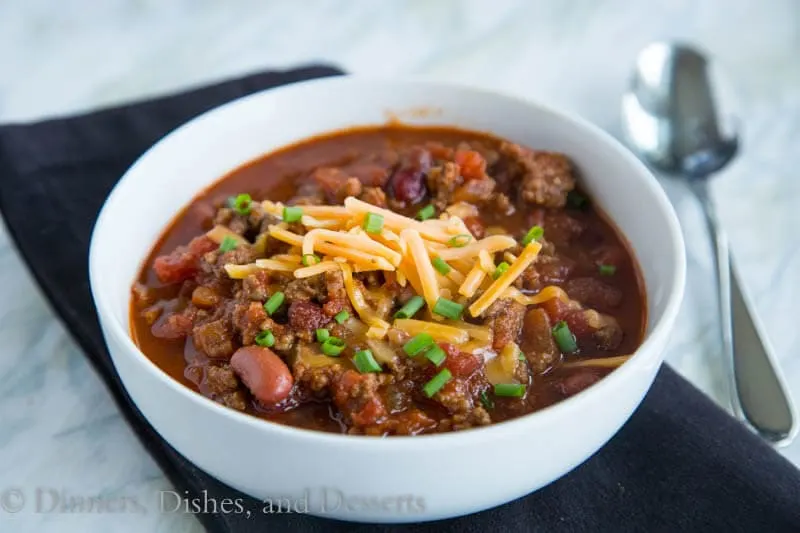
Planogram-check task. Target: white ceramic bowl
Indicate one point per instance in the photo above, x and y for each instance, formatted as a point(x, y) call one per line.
point(365, 478)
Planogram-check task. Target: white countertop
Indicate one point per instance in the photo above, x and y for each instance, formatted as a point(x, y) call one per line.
point(60, 429)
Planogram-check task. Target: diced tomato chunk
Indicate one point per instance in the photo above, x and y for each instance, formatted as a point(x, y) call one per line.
point(558, 310)
point(555, 308)
point(472, 164)
point(182, 263)
point(460, 364)
point(175, 267)
point(371, 411)
point(358, 399)
point(202, 245)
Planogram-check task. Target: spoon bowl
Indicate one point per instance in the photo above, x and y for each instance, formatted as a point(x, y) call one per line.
point(670, 113)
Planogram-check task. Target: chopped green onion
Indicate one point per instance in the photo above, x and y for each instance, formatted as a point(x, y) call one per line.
point(459, 241)
point(333, 346)
point(576, 200)
point(265, 338)
point(438, 381)
point(365, 362)
point(228, 243)
point(500, 270)
point(510, 390)
point(373, 223)
point(441, 267)
point(322, 334)
point(310, 259)
point(274, 302)
point(521, 356)
point(292, 214)
point(607, 270)
point(435, 355)
point(486, 401)
point(341, 317)
point(426, 212)
point(411, 307)
point(448, 308)
point(240, 203)
point(534, 234)
point(564, 338)
point(418, 344)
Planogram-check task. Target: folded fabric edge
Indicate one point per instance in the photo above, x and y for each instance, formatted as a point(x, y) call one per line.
point(59, 142)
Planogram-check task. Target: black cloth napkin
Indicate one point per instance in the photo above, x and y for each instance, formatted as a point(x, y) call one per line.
point(679, 464)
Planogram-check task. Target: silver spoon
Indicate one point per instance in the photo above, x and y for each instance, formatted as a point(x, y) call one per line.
point(670, 118)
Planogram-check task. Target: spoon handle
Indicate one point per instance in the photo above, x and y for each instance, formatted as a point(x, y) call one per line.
point(758, 391)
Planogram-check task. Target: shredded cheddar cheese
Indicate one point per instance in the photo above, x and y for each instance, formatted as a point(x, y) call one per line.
point(241, 271)
point(473, 281)
point(311, 222)
point(334, 239)
point(547, 293)
point(439, 332)
point(481, 333)
point(486, 262)
point(283, 235)
point(272, 264)
point(427, 274)
point(288, 258)
point(456, 277)
point(495, 243)
point(599, 362)
point(357, 300)
point(396, 222)
point(358, 241)
point(313, 270)
point(505, 280)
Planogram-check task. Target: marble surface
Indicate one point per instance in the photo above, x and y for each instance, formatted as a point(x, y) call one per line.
point(60, 430)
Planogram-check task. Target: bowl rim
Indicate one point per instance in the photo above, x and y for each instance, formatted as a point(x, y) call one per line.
point(658, 333)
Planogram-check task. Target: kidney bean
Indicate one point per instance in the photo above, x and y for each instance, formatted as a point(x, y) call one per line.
point(408, 185)
point(592, 292)
point(408, 182)
point(575, 383)
point(263, 372)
